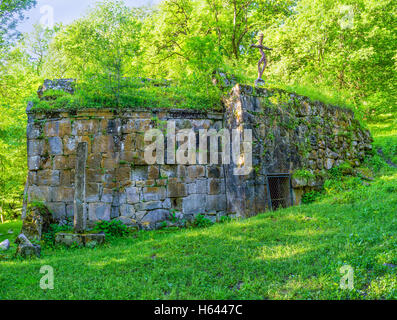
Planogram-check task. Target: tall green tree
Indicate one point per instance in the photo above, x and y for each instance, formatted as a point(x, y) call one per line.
point(198, 36)
point(342, 45)
point(101, 48)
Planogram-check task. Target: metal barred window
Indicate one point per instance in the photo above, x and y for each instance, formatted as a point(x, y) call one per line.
point(279, 190)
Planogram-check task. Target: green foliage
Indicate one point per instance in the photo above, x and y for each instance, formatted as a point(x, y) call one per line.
point(200, 221)
point(340, 184)
point(112, 229)
point(302, 173)
point(225, 219)
point(134, 93)
point(49, 237)
point(310, 197)
point(335, 173)
point(343, 169)
point(341, 46)
point(185, 38)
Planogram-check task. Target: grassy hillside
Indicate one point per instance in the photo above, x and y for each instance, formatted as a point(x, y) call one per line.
point(295, 253)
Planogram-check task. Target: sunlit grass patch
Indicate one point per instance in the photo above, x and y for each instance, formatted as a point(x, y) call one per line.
point(294, 253)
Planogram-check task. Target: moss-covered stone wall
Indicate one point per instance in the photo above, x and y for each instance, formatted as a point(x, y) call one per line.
point(290, 133)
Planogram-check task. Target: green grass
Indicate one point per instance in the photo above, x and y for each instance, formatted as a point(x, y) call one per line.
point(14, 226)
point(294, 253)
point(384, 130)
point(133, 93)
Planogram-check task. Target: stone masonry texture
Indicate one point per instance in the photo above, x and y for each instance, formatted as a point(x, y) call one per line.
point(290, 132)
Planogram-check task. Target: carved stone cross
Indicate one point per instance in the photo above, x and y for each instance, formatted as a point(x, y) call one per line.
point(263, 60)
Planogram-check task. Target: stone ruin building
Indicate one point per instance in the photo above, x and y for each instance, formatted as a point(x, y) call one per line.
point(289, 133)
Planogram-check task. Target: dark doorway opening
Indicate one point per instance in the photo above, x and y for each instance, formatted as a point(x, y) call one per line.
point(279, 190)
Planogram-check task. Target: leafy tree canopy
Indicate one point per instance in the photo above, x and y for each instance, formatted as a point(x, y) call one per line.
point(11, 11)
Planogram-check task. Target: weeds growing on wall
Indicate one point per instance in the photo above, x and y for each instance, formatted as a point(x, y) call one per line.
point(132, 93)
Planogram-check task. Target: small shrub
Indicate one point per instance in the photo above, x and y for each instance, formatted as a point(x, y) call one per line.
point(346, 168)
point(202, 222)
point(113, 228)
point(303, 174)
point(49, 237)
point(310, 197)
point(225, 219)
point(376, 163)
point(335, 173)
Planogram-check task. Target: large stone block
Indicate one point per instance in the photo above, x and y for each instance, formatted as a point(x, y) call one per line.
point(102, 144)
point(48, 177)
point(194, 204)
point(154, 193)
point(92, 192)
point(113, 127)
point(85, 127)
point(99, 211)
point(94, 160)
point(214, 172)
point(34, 163)
point(64, 162)
point(58, 210)
point(191, 188)
point(29, 251)
point(127, 143)
point(88, 240)
point(123, 173)
point(195, 172)
point(140, 141)
point(36, 147)
point(153, 172)
point(127, 221)
point(216, 202)
point(167, 203)
point(214, 186)
point(62, 194)
point(139, 173)
point(39, 193)
point(127, 210)
point(32, 177)
point(176, 189)
point(168, 171)
point(202, 186)
point(107, 195)
point(130, 126)
point(150, 205)
point(94, 175)
point(33, 131)
point(139, 215)
point(155, 216)
point(329, 163)
point(110, 162)
point(132, 195)
point(58, 128)
point(37, 222)
point(70, 144)
point(55, 145)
